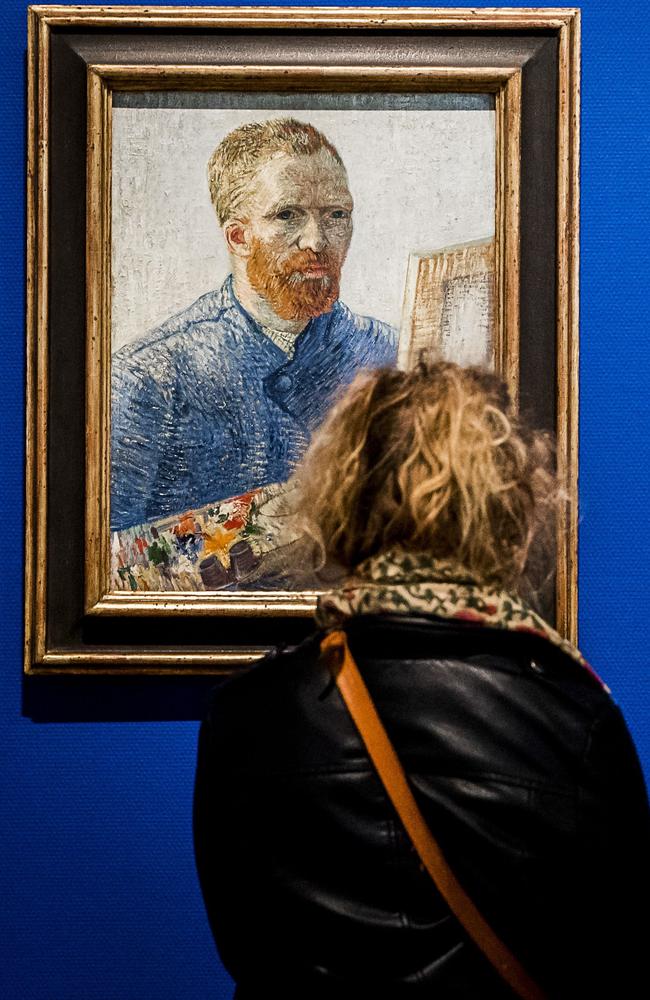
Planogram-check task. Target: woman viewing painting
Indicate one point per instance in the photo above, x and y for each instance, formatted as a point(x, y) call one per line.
point(440, 506)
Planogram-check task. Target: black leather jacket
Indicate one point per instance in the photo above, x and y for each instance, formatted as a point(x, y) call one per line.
point(522, 766)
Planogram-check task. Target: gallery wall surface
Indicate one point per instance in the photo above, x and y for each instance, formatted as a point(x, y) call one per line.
point(99, 894)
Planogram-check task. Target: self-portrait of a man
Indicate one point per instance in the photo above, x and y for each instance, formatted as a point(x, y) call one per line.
point(259, 263)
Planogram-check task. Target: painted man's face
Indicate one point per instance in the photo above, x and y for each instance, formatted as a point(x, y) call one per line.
point(298, 228)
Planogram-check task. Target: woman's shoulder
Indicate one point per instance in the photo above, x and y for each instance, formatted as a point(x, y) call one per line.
point(275, 668)
point(424, 639)
point(259, 700)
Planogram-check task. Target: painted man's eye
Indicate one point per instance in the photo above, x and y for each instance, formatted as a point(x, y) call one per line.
point(339, 213)
point(285, 215)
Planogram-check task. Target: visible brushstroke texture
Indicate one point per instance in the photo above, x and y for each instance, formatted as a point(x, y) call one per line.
point(251, 101)
point(420, 180)
point(246, 542)
point(207, 407)
point(220, 401)
point(467, 325)
point(449, 305)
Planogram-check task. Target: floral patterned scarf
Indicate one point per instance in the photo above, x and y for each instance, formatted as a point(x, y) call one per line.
point(397, 581)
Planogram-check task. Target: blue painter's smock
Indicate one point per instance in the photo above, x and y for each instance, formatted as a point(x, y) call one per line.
point(206, 406)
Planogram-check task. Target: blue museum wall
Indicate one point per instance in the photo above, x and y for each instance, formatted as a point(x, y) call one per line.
point(99, 895)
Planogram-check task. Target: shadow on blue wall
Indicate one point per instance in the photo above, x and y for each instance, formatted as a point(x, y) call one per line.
point(116, 699)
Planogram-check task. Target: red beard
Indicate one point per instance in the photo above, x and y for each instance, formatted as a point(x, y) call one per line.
point(292, 294)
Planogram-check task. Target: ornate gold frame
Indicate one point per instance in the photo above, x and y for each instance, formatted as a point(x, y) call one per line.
point(102, 79)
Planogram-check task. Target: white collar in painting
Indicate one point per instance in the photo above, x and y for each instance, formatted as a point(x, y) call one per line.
point(283, 339)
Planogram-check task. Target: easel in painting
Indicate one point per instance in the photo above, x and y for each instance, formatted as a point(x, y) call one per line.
point(448, 309)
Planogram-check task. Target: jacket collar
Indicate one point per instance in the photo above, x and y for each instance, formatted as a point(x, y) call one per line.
point(403, 582)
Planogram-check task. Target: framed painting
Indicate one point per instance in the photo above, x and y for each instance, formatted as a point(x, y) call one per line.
point(231, 212)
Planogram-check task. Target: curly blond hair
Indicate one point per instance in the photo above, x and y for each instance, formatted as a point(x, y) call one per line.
point(433, 460)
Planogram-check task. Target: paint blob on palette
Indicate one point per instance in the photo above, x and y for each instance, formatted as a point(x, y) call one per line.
point(248, 542)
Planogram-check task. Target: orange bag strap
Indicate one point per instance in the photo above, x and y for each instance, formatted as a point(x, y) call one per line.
point(354, 692)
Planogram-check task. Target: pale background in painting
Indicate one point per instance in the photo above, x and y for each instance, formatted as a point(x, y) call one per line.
point(421, 180)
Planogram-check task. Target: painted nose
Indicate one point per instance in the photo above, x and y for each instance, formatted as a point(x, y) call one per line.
point(312, 236)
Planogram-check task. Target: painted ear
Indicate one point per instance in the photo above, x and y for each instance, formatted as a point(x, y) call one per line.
point(236, 235)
